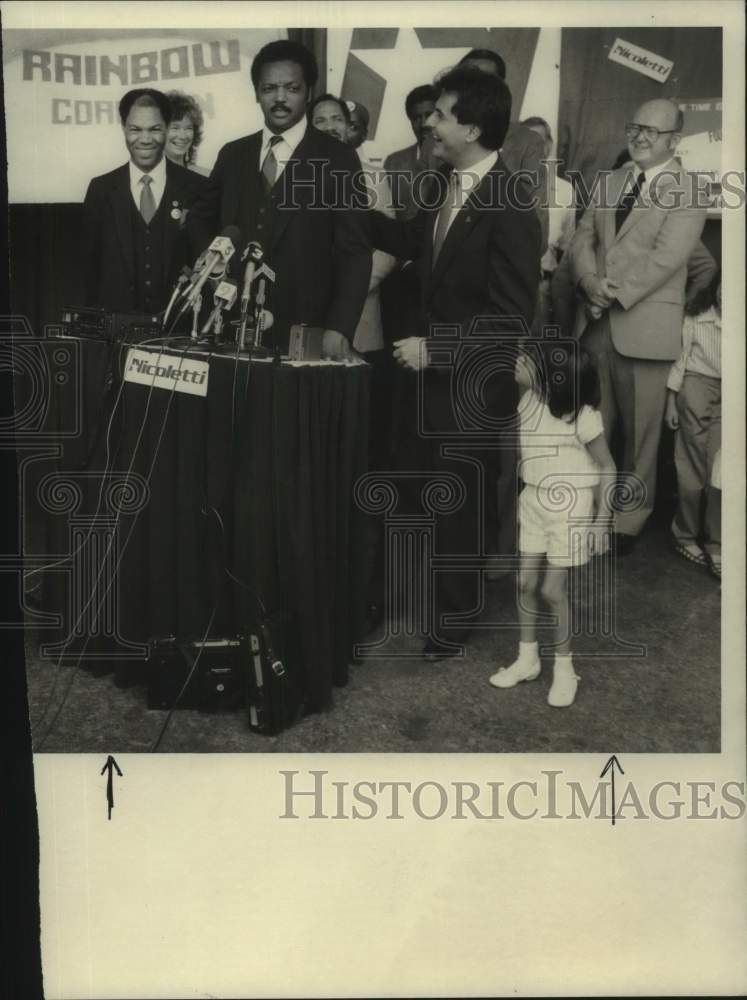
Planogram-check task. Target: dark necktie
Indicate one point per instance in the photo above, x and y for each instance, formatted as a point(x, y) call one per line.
point(147, 201)
point(628, 201)
point(270, 164)
point(444, 215)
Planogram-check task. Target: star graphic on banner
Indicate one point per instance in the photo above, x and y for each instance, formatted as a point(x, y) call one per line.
point(404, 67)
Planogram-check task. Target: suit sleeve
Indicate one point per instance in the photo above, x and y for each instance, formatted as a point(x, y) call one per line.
point(675, 241)
point(514, 271)
point(398, 237)
point(92, 246)
point(381, 200)
point(203, 220)
point(582, 251)
point(351, 248)
point(701, 268)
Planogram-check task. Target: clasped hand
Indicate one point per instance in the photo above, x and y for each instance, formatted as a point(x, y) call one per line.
point(600, 294)
point(410, 352)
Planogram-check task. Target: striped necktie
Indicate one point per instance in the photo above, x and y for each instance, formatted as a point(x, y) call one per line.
point(147, 201)
point(270, 164)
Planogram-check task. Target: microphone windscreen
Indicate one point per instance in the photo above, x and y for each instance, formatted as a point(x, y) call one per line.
point(232, 233)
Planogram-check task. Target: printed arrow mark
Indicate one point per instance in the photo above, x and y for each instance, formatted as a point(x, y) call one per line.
point(610, 766)
point(110, 766)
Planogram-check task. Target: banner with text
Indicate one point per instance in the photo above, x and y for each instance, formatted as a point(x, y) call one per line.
point(62, 89)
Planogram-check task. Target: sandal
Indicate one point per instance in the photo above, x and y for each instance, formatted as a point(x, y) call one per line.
point(690, 551)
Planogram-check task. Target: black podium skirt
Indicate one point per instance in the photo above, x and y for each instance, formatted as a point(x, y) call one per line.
point(215, 510)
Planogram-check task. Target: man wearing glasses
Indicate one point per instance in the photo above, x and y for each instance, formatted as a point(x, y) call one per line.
point(629, 262)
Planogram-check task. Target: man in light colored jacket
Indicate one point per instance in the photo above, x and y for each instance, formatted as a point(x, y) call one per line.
point(629, 263)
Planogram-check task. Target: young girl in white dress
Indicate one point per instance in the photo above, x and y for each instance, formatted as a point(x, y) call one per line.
point(564, 507)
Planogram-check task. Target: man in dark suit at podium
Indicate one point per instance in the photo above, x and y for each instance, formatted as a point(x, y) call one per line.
point(289, 187)
point(135, 236)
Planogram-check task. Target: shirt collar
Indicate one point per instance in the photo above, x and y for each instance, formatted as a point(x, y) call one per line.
point(158, 173)
point(470, 177)
point(652, 172)
point(291, 137)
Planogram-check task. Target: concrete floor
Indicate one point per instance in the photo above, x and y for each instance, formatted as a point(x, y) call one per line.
point(665, 701)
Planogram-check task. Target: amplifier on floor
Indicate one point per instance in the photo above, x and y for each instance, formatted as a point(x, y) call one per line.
point(218, 668)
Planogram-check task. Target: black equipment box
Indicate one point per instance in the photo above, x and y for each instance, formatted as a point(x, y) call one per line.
point(221, 675)
point(98, 324)
point(217, 668)
point(273, 701)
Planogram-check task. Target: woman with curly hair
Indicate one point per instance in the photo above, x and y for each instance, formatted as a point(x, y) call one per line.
point(185, 131)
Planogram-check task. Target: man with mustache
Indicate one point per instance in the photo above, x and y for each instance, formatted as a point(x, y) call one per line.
point(290, 187)
point(134, 217)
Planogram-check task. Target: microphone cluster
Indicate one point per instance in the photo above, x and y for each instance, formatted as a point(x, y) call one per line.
point(212, 265)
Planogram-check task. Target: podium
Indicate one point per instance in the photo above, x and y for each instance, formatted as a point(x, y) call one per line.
point(217, 507)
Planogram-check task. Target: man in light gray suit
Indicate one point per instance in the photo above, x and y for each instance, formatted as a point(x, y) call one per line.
point(629, 263)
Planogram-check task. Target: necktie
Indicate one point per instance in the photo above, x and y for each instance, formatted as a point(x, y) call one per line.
point(444, 215)
point(270, 164)
point(147, 201)
point(628, 201)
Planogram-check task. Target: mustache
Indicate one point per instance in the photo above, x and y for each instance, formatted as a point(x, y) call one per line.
point(280, 107)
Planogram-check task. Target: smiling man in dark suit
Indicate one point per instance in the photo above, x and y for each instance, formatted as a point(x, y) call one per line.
point(478, 257)
point(135, 237)
point(290, 188)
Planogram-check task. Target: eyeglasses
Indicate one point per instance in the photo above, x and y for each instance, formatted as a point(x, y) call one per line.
point(633, 130)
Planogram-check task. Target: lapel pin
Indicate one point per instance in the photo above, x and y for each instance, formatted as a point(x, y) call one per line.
point(176, 212)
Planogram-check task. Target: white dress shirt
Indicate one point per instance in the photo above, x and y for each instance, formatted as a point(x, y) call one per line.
point(467, 180)
point(158, 179)
point(284, 149)
point(671, 166)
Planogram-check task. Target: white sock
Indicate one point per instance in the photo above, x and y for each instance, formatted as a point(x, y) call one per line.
point(563, 661)
point(528, 652)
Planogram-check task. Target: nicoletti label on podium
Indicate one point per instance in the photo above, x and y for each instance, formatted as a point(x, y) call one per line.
point(160, 371)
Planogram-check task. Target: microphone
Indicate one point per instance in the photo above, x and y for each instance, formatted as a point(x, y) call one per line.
point(223, 299)
point(181, 281)
point(253, 255)
point(220, 252)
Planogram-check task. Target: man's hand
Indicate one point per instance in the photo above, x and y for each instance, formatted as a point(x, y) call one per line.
point(410, 353)
point(599, 291)
point(336, 346)
point(671, 416)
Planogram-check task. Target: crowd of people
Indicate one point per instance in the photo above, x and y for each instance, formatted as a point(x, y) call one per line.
point(466, 241)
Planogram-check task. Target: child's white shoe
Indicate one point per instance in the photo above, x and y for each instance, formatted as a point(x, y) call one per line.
point(564, 685)
point(521, 670)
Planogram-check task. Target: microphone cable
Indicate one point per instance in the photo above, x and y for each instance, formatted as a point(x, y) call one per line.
point(94, 583)
point(184, 649)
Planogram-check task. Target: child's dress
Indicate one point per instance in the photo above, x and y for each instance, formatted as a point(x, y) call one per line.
point(556, 505)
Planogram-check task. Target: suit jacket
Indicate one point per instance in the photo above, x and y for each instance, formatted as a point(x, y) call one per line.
point(320, 248)
point(403, 166)
point(647, 259)
point(523, 149)
point(488, 271)
point(108, 236)
point(369, 335)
